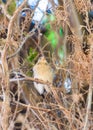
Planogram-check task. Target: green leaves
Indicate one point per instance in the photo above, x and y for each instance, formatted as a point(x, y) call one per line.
point(52, 38)
point(11, 7)
point(61, 32)
point(48, 26)
point(32, 55)
point(50, 34)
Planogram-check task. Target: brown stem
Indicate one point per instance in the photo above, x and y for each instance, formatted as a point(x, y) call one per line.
point(5, 111)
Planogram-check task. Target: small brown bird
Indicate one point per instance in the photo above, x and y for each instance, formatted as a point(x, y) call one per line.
point(43, 71)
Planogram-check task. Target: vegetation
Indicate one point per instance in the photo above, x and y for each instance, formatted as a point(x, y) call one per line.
point(65, 41)
point(11, 8)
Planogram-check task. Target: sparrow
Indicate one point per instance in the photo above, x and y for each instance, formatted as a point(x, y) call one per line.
point(42, 71)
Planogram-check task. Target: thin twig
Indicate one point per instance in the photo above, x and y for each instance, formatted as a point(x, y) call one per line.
point(5, 12)
point(5, 75)
point(21, 45)
point(89, 99)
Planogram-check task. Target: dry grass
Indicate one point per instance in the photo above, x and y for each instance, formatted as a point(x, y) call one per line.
point(21, 107)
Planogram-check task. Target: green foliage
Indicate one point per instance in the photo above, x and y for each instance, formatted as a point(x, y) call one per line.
point(11, 7)
point(30, 60)
point(52, 38)
point(32, 55)
point(48, 26)
point(50, 34)
point(61, 31)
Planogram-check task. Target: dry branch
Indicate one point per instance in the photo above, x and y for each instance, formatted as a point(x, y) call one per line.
point(5, 111)
point(90, 92)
